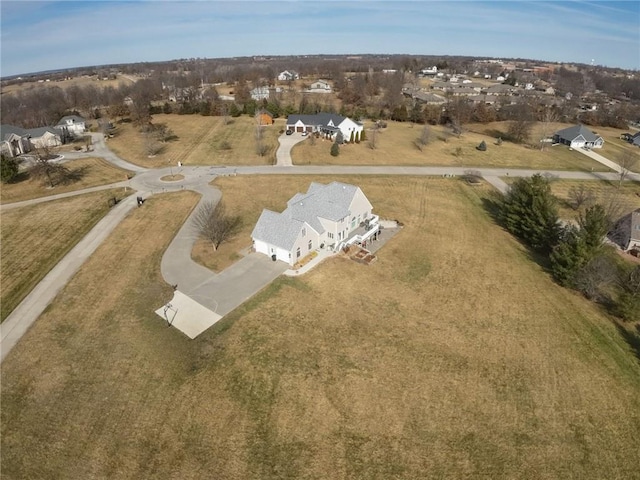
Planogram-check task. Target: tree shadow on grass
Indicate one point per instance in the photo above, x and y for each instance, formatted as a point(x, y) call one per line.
point(632, 337)
point(491, 205)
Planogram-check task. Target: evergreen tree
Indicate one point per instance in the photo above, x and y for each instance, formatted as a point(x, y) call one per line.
point(594, 225)
point(529, 211)
point(8, 169)
point(351, 138)
point(569, 256)
point(357, 137)
point(482, 147)
point(363, 137)
point(335, 149)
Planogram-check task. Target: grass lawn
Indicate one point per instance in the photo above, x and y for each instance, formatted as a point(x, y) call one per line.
point(452, 356)
point(614, 148)
point(627, 197)
point(91, 172)
point(34, 238)
point(395, 146)
point(200, 141)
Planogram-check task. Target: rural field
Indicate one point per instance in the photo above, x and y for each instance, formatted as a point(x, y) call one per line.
point(395, 146)
point(86, 173)
point(34, 238)
point(452, 356)
point(82, 81)
point(200, 141)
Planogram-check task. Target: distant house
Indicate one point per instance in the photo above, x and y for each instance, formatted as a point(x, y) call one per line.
point(327, 124)
point(633, 139)
point(264, 93)
point(429, 71)
point(327, 216)
point(74, 125)
point(578, 136)
point(45, 137)
point(264, 117)
point(626, 232)
point(15, 141)
point(288, 75)
point(319, 86)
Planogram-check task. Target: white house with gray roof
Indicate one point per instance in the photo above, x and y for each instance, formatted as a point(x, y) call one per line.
point(327, 124)
point(74, 125)
point(327, 216)
point(578, 136)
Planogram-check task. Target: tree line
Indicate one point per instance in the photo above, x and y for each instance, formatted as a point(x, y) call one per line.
point(576, 254)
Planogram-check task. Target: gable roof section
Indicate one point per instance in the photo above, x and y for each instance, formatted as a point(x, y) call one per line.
point(322, 119)
point(73, 118)
point(277, 229)
point(38, 132)
point(572, 132)
point(7, 130)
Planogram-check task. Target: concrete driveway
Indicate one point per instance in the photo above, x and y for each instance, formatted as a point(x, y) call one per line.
point(283, 154)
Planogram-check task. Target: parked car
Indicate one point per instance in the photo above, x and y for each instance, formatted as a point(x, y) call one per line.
point(289, 132)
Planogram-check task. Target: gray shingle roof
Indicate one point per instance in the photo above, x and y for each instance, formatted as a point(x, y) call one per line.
point(7, 130)
point(318, 119)
point(573, 132)
point(277, 229)
point(330, 202)
point(75, 118)
point(38, 132)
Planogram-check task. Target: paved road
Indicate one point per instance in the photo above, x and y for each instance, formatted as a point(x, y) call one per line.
point(219, 292)
point(19, 321)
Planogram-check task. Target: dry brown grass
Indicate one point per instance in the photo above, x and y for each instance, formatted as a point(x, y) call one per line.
point(200, 141)
point(91, 172)
point(395, 146)
point(64, 84)
point(453, 356)
point(627, 197)
point(35, 238)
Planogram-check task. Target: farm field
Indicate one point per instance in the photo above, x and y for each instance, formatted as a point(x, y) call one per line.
point(395, 146)
point(200, 141)
point(87, 172)
point(34, 238)
point(452, 356)
point(64, 84)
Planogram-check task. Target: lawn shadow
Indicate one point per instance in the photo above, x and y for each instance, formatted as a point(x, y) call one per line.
point(74, 175)
point(632, 337)
point(491, 205)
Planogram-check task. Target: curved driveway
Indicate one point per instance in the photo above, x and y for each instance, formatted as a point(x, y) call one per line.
point(222, 292)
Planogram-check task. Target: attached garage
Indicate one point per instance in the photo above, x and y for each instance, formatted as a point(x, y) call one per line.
point(270, 250)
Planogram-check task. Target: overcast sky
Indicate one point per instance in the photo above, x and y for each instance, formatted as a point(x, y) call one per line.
point(38, 36)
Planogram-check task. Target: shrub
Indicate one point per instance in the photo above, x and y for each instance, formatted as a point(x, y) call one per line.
point(335, 149)
point(482, 147)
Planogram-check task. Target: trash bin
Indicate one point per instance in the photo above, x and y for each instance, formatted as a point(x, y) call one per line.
point(273, 257)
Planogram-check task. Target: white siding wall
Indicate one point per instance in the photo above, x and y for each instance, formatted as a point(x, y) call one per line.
point(302, 242)
point(347, 126)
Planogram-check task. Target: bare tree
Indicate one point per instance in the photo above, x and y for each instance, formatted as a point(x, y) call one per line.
point(580, 196)
point(212, 223)
point(594, 278)
point(152, 146)
point(372, 138)
point(45, 169)
point(261, 147)
point(628, 161)
point(549, 116)
point(424, 138)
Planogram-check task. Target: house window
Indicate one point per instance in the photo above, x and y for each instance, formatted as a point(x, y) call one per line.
point(310, 244)
point(330, 235)
point(298, 253)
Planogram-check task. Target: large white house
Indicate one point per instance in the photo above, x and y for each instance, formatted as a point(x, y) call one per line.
point(327, 216)
point(327, 124)
point(319, 86)
point(288, 75)
point(74, 125)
